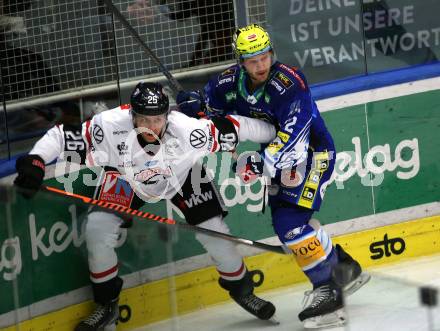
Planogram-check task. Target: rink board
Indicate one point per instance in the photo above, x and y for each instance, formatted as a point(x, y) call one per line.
point(197, 289)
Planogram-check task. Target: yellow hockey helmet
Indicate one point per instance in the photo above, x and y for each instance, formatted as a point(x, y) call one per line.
point(250, 41)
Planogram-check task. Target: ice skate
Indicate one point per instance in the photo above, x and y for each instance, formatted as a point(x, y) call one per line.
point(241, 291)
point(325, 309)
point(103, 318)
point(330, 320)
point(348, 273)
point(258, 307)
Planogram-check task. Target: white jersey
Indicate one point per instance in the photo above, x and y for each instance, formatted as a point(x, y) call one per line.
point(153, 171)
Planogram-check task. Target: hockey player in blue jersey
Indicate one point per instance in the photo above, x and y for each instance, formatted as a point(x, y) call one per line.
point(299, 163)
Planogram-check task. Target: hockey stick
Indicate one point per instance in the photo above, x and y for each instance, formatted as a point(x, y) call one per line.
point(155, 218)
point(174, 84)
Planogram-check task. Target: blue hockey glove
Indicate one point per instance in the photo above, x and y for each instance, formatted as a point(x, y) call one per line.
point(191, 103)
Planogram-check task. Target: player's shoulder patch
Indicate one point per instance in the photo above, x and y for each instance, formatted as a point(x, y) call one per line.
point(283, 79)
point(229, 71)
point(292, 73)
point(280, 82)
point(227, 76)
point(286, 79)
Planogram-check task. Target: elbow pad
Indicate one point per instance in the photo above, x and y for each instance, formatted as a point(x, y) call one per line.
point(227, 135)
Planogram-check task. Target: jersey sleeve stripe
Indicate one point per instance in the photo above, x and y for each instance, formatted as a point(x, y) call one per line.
point(233, 120)
point(214, 138)
point(89, 143)
point(87, 134)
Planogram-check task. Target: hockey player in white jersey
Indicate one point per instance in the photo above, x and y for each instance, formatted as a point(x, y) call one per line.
point(154, 150)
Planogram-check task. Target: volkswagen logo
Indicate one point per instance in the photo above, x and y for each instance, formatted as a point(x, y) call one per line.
point(197, 138)
point(98, 134)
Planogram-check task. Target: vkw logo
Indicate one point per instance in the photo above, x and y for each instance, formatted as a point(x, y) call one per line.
point(386, 247)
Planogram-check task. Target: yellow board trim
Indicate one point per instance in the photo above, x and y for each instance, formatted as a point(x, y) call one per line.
point(198, 289)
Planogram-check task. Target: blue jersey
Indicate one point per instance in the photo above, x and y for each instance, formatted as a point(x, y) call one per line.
point(303, 143)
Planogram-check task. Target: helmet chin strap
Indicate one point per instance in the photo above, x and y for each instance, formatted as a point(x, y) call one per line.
point(164, 129)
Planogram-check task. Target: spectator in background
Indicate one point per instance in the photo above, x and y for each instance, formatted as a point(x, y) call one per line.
point(8, 20)
point(23, 72)
point(216, 19)
point(141, 10)
point(216, 28)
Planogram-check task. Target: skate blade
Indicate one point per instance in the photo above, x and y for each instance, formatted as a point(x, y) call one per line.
point(110, 327)
point(274, 320)
point(335, 319)
point(355, 285)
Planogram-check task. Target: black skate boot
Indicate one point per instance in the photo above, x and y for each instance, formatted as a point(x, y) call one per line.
point(242, 292)
point(106, 314)
point(348, 273)
point(325, 308)
point(103, 318)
